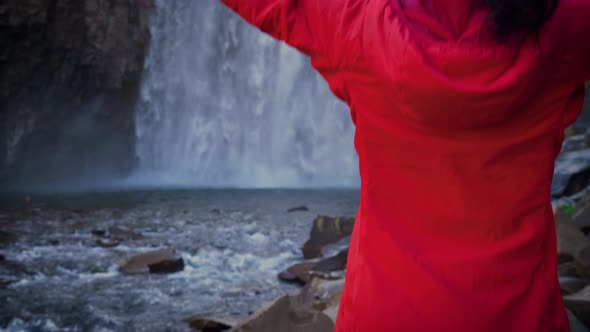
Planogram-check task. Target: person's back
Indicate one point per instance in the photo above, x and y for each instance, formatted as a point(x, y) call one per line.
point(457, 131)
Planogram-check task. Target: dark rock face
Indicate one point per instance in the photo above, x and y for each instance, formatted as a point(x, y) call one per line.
point(71, 71)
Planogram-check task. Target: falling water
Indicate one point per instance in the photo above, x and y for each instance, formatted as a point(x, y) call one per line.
point(224, 105)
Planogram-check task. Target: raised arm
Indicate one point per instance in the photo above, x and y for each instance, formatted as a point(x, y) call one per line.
point(314, 27)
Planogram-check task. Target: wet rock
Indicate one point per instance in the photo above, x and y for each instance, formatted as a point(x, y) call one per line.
point(581, 217)
point(99, 232)
point(212, 324)
point(167, 266)
point(2, 258)
point(107, 243)
point(334, 263)
point(7, 238)
point(579, 304)
point(571, 241)
point(574, 143)
point(121, 233)
point(570, 269)
point(572, 173)
point(571, 285)
point(141, 263)
point(116, 234)
point(564, 258)
point(11, 272)
point(146, 3)
point(302, 208)
point(215, 211)
point(328, 268)
point(298, 273)
point(335, 248)
point(326, 230)
point(286, 316)
point(322, 295)
point(243, 290)
point(583, 256)
point(575, 324)
point(53, 242)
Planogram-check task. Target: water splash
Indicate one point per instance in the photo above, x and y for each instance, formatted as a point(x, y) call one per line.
point(224, 105)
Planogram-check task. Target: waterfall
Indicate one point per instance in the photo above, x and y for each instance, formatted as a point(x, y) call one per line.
point(224, 105)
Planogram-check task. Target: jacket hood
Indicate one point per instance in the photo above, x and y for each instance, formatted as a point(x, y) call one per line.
point(440, 56)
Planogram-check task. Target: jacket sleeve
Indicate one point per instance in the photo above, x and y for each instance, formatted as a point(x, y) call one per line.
point(311, 26)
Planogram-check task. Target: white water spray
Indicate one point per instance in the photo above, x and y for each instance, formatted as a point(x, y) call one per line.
point(224, 105)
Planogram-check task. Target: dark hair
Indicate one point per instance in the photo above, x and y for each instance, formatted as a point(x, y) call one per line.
point(520, 16)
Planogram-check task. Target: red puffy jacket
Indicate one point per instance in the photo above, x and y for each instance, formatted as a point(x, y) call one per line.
point(457, 135)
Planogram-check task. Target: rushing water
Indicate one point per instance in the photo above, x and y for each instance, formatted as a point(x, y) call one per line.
point(224, 104)
point(55, 277)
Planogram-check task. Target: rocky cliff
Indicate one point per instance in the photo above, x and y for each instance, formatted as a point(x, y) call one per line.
point(70, 75)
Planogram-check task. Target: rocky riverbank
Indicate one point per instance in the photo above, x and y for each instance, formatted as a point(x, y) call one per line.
point(148, 260)
point(315, 308)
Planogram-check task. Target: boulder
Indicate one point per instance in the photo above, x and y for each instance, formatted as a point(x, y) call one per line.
point(583, 256)
point(572, 242)
point(122, 233)
point(7, 238)
point(326, 230)
point(334, 249)
point(298, 273)
point(144, 263)
point(285, 315)
point(571, 285)
point(167, 266)
point(582, 219)
point(302, 208)
point(107, 243)
point(570, 269)
point(575, 324)
point(322, 295)
point(565, 258)
point(579, 304)
point(328, 268)
point(99, 232)
point(572, 173)
point(574, 143)
point(212, 324)
point(117, 234)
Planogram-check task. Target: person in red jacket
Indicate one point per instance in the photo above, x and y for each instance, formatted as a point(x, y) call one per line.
point(460, 108)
